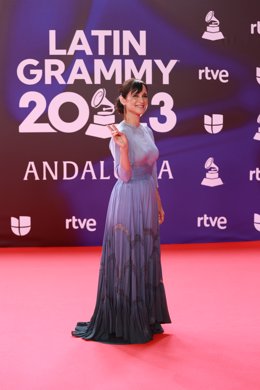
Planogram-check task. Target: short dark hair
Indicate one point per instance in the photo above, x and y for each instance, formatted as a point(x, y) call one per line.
point(130, 85)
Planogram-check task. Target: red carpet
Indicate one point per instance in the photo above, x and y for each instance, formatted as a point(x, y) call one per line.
point(213, 293)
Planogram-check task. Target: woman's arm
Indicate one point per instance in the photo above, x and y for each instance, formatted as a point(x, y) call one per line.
point(161, 213)
point(121, 157)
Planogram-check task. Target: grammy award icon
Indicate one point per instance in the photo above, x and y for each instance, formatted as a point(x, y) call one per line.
point(257, 134)
point(212, 32)
point(105, 116)
point(212, 178)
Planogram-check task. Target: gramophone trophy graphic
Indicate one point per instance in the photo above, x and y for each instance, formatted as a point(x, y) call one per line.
point(257, 134)
point(258, 74)
point(212, 32)
point(212, 178)
point(105, 116)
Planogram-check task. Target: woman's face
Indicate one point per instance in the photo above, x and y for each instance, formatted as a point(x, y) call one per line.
point(136, 102)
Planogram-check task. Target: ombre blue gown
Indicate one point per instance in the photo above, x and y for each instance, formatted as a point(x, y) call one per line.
point(131, 302)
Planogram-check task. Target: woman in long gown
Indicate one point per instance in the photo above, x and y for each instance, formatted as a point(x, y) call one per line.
point(131, 303)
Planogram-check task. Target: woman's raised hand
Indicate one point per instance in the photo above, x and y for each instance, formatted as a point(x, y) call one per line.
point(119, 137)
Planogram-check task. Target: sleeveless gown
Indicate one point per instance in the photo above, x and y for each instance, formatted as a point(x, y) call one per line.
point(131, 302)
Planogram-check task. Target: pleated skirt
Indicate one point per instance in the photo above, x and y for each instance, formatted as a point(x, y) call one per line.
point(131, 302)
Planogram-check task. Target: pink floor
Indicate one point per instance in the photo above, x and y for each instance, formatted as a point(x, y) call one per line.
point(213, 293)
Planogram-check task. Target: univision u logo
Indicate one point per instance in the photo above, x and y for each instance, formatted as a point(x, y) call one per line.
point(21, 226)
point(213, 124)
point(257, 221)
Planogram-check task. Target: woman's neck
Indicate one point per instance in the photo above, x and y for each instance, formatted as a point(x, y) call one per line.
point(132, 120)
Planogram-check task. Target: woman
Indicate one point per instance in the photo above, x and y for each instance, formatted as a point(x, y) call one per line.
point(131, 303)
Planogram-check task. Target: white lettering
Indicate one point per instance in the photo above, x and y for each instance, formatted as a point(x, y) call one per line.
point(116, 43)
point(255, 28)
point(31, 169)
point(53, 172)
point(36, 73)
point(52, 44)
point(79, 72)
point(79, 42)
point(88, 168)
point(146, 68)
point(207, 221)
point(89, 224)
point(100, 68)
point(199, 220)
point(254, 174)
point(54, 69)
point(211, 74)
point(165, 168)
point(102, 171)
point(70, 170)
point(222, 223)
point(165, 69)
point(56, 72)
point(75, 170)
point(140, 47)
point(101, 34)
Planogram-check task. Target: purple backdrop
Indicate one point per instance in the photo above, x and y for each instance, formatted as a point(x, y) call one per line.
point(61, 65)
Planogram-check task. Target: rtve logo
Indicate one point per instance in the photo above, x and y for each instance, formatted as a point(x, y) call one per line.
point(255, 28)
point(21, 226)
point(207, 222)
point(78, 223)
point(213, 124)
point(254, 174)
point(221, 75)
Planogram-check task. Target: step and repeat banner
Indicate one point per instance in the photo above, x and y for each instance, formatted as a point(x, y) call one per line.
point(62, 63)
